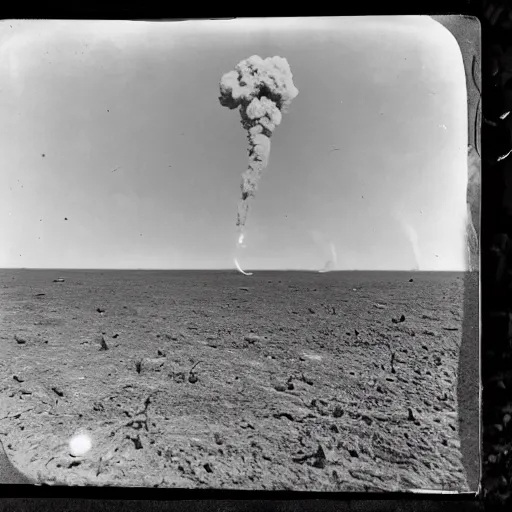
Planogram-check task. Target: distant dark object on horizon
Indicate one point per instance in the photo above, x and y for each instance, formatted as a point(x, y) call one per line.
point(65, 218)
point(411, 280)
point(59, 280)
point(43, 155)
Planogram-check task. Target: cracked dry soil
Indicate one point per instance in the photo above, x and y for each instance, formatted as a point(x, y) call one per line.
point(284, 380)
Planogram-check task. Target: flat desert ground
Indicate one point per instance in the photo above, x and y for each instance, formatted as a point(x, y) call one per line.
point(211, 379)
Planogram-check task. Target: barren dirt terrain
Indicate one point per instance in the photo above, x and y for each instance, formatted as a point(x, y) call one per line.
point(282, 380)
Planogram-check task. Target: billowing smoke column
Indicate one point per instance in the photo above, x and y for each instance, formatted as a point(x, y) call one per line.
point(263, 89)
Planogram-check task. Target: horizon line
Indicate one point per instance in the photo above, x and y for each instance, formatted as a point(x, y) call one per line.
point(229, 269)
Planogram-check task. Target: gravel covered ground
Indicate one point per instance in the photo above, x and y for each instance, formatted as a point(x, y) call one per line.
point(282, 380)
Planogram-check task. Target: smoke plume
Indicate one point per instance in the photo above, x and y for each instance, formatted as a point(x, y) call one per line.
point(263, 89)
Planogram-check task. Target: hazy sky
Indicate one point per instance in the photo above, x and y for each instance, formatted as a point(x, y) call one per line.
point(142, 97)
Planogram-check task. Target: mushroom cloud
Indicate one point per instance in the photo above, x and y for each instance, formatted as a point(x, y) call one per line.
point(263, 89)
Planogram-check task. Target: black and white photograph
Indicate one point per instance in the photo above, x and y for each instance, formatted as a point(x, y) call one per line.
point(235, 254)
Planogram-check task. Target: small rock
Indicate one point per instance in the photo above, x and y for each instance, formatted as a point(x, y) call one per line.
point(353, 453)
point(161, 353)
point(312, 311)
point(252, 338)
point(218, 438)
point(429, 333)
point(59, 280)
point(58, 391)
point(411, 280)
point(335, 429)
point(18, 379)
point(115, 336)
point(307, 380)
point(290, 385)
point(394, 320)
point(280, 387)
point(338, 412)
point(356, 332)
point(402, 318)
point(19, 339)
point(320, 458)
point(243, 288)
point(100, 310)
point(192, 378)
point(103, 343)
point(506, 419)
point(208, 467)
point(172, 337)
point(411, 415)
point(367, 420)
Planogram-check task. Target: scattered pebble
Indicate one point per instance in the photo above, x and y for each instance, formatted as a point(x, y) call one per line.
point(18, 379)
point(320, 458)
point(402, 318)
point(244, 289)
point(59, 280)
point(100, 310)
point(58, 391)
point(192, 378)
point(208, 467)
point(411, 280)
point(338, 412)
point(19, 339)
point(307, 380)
point(335, 429)
point(103, 343)
point(218, 438)
point(394, 320)
point(411, 415)
point(252, 338)
point(312, 311)
point(353, 453)
point(280, 387)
